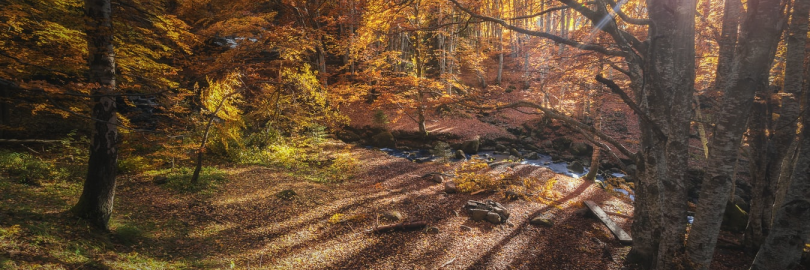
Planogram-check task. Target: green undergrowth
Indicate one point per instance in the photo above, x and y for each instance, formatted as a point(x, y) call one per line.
point(316, 160)
point(37, 231)
point(179, 179)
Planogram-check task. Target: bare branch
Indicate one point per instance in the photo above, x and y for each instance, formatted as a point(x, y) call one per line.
point(624, 16)
point(644, 117)
point(555, 38)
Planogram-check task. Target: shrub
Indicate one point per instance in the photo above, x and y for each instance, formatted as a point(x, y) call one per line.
point(471, 176)
point(380, 118)
point(133, 164)
point(29, 169)
point(343, 167)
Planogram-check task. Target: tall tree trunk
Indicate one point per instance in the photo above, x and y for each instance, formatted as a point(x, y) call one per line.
point(786, 125)
point(761, 30)
point(783, 246)
point(96, 201)
point(732, 11)
point(660, 223)
point(761, 161)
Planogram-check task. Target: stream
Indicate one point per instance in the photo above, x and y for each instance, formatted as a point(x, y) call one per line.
point(543, 160)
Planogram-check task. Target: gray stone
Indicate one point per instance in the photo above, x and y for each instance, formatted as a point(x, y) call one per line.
point(479, 214)
point(384, 139)
point(561, 144)
point(471, 146)
point(581, 149)
point(502, 212)
point(576, 167)
point(515, 153)
point(437, 178)
point(540, 221)
point(500, 148)
point(393, 215)
point(494, 217)
point(533, 155)
point(460, 155)
point(450, 187)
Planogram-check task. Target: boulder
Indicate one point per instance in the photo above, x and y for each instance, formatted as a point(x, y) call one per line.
point(500, 148)
point(478, 214)
point(493, 218)
point(491, 211)
point(470, 147)
point(450, 187)
point(576, 167)
point(533, 155)
point(561, 144)
point(384, 139)
point(581, 149)
point(437, 178)
point(540, 221)
point(459, 154)
point(515, 153)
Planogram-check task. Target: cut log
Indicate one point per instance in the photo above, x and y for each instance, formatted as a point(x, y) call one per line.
point(620, 234)
point(404, 226)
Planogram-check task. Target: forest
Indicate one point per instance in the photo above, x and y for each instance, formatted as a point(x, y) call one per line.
point(404, 134)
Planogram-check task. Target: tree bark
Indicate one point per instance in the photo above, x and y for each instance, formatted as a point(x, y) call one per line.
point(785, 126)
point(96, 201)
point(732, 10)
point(761, 30)
point(658, 231)
point(783, 246)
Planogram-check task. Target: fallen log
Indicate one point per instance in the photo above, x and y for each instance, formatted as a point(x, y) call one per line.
point(620, 234)
point(404, 226)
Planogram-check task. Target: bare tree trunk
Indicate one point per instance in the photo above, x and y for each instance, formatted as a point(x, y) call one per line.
point(761, 30)
point(660, 224)
point(783, 246)
point(732, 11)
point(786, 125)
point(761, 161)
point(96, 201)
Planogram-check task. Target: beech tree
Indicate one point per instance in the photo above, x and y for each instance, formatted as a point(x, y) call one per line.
point(96, 201)
point(761, 31)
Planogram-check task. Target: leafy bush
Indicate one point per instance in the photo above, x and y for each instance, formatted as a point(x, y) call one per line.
point(471, 176)
point(380, 118)
point(134, 164)
point(343, 167)
point(26, 168)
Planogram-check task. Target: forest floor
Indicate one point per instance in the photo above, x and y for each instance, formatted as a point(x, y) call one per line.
point(246, 221)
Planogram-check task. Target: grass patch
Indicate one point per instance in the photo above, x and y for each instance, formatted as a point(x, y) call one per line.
point(179, 179)
point(129, 234)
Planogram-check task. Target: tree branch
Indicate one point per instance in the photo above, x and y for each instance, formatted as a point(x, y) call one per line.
point(624, 16)
point(644, 117)
point(558, 39)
